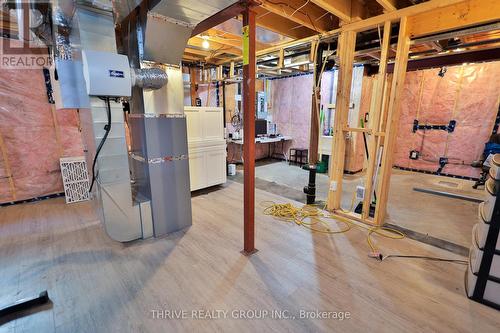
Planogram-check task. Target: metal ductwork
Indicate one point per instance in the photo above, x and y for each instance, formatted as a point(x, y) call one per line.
point(62, 17)
point(154, 40)
point(149, 78)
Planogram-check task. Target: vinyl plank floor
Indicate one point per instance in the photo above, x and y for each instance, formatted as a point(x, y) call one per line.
point(98, 285)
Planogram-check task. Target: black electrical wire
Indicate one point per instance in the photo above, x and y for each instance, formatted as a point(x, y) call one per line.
point(107, 129)
point(455, 261)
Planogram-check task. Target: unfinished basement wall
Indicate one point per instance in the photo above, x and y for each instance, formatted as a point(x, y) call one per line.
point(34, 137)
point(468, 94)
point(291, 110)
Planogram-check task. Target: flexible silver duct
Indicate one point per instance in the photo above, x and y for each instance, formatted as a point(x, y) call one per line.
point(64, 11)
point(149, 78)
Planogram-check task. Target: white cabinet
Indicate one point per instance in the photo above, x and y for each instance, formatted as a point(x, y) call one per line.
point(207, 146)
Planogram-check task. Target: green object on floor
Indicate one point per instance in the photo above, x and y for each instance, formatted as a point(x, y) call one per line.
point(321, 167)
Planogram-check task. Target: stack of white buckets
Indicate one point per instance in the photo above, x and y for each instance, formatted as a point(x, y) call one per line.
point(479, 235)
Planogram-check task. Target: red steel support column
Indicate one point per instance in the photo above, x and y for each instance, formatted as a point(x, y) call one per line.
point(249, 67)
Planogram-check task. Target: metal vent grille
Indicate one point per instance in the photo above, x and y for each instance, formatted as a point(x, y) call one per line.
point(75, 179)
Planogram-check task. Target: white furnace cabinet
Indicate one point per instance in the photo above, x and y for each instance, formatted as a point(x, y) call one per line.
point(206, 146)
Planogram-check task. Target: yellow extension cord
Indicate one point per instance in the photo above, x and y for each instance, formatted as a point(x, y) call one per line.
point(312, 218)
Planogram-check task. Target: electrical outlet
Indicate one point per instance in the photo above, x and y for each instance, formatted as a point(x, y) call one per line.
point(360, 192)
point(414, 154)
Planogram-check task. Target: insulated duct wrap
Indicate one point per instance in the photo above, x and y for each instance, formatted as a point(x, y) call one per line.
point(64, 11)
point(149, 78)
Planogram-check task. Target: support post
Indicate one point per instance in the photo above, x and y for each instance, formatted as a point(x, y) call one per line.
point(249, 67)
point(393, 112)
point(375, 120)
point(345, 51)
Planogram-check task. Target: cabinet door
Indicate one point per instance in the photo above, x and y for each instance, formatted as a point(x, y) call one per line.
point(213, 127)
point(216, 166)
point(197, 173)
point(195, 125)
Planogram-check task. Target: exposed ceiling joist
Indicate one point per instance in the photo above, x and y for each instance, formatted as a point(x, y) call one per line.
point(281, 25)
point(223, 37)
point(194, 51)
point(339, 8)
point(300, 12)
point(388, 5)
point(214, 46)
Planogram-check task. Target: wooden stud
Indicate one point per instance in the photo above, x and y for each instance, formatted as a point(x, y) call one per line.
point(281, 58)
point(8, 170)
point(375, 118)
point(231, 70)
point(346, 44)
point(313, 50)
point(57, 130)
point(393, 112)
point(192, 86)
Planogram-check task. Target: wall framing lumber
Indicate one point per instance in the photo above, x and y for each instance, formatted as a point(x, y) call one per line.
point(460, 15)
point(393, 112)
point(374, 21)
point(345, 50)
point(375, 116)
point(8, 170)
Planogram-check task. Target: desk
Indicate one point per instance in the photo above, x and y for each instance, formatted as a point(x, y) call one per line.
point(263, 140)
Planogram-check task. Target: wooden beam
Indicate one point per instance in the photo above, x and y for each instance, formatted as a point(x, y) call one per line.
point(301, 13)
point(339, 8)
point(346, 44)
point(374, 21)
point(222, 16)
point(281, 25)
point(460, 15)
point(388, 5)
point(249, 68)
point(375, 114)
point(392, 124)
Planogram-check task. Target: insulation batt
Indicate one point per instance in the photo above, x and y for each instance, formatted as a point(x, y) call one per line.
point(27, 128)
point(467, 94)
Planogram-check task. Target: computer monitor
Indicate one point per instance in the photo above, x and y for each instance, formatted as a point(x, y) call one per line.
point(260, 127)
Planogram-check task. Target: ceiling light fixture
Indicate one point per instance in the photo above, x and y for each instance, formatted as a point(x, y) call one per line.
point(205, 44)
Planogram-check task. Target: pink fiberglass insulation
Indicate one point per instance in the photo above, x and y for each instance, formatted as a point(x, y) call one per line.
point(467, 94)
point(292, 108)
point(28, 131)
